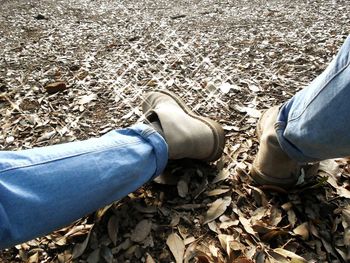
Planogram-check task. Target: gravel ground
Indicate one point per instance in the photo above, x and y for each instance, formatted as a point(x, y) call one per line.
point(228, 60)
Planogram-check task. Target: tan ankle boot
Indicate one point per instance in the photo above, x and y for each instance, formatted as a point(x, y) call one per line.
point(272, 166)
point(187, 134)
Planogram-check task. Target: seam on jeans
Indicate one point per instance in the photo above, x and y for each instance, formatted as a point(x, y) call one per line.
point(147, 133)
point(318, 93)
point(65, 157)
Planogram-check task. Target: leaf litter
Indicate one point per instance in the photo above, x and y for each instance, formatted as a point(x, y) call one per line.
point(77, 69)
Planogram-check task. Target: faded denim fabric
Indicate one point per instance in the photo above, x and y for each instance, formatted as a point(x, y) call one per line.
point(46, 188)
point(315, 124)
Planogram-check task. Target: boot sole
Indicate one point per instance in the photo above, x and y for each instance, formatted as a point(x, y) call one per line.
point(262, 179)
point(219, 135)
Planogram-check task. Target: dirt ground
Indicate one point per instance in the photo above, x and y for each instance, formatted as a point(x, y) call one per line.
point(228, 60)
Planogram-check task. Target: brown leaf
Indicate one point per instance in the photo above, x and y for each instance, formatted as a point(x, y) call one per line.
point(229, 223)
point(94, 256)
point(290, 255)
point(87, 99)
point(201, 257)
point(55, 87)
point(273, 234)
point(176, 246)
point(236, 246)
point(246, 224)
point(182, 188)
point(213, 250)
point(302, 230)
point(277, 258)
point(145, 209)
point(225, 242)
point(107, 255)
point(99, 214)
point(217, 209)
point(189, 240)
point(213, 227)
point(33, 258)
point(141, 231)
point(292, 218)
point(79, 249)
point(149, 259)
point(290, 212)
point(223, 174)
point(276, 216)
point(217, 192)
point(242, 259)
point(330, 168)
point(113, 228)
point(347, 238)
point(346, 225)
point(175, 220)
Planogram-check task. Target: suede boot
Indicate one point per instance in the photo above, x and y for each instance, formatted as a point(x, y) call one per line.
point(188, 135)
point(272, 166)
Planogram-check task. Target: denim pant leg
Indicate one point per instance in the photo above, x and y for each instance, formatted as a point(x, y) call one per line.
point(43, 189)
point(315, 124)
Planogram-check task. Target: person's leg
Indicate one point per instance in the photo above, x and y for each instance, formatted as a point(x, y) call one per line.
point(45, 188)
point(312, 126)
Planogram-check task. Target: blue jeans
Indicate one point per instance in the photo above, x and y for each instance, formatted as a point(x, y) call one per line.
point(47, 188)
point(315, 124)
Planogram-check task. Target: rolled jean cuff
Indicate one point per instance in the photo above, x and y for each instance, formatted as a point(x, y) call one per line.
point(159, 144)
point(280, 127)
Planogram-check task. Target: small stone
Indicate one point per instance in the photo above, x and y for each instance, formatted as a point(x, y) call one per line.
point(55, 87)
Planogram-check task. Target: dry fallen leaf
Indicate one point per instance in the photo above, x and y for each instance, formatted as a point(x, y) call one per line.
point(106, 254)
point(149, 259)
point(302, 230)
point(252, 112)
point(245, 222)
point(213, 227)
point(213, 250)
point(294, 257)
point(176, 246)
point(141, 231)
point(182, 188)
point(80, 248)
point(94, 256)
point(331, 169)
point(225, 242)
point(217, 192)
point(259, 196)
point(223, 174)
point(217, 209)
point(227, 224)
point(55, 87)
point(34, 258)
point(113, 228)
point(99, 213)
point(87, 98)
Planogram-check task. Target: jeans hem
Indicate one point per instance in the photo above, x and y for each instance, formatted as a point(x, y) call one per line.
point(159, 144)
